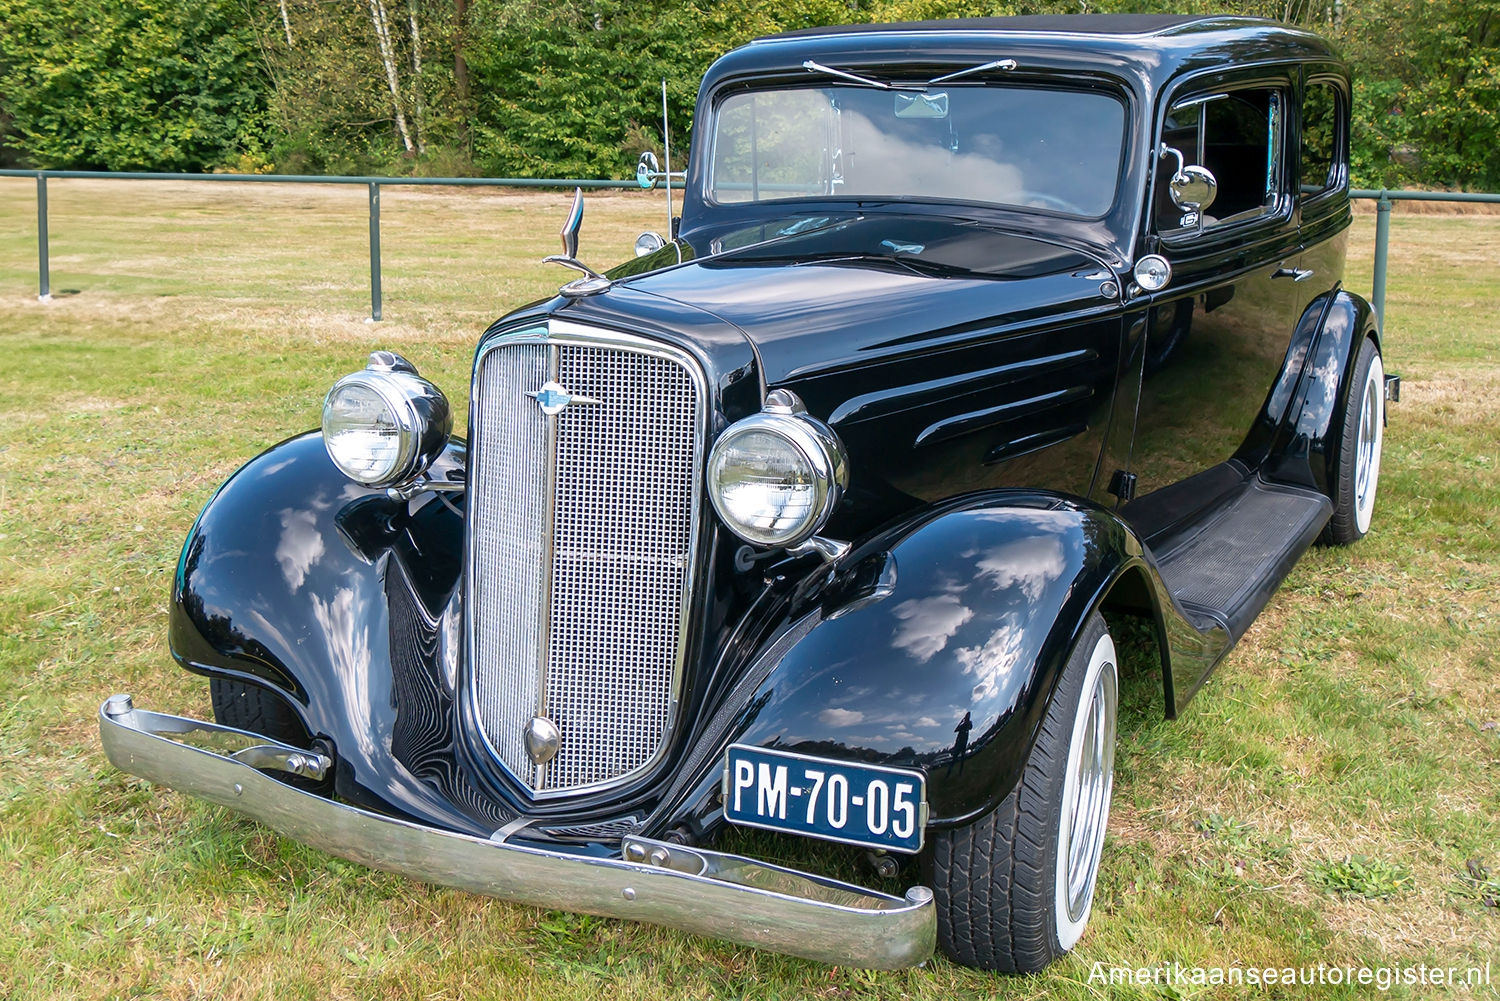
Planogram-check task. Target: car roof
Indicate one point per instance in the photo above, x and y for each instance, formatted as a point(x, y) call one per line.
point(1147, 55)
point(1086, 24)
point(1151, 48)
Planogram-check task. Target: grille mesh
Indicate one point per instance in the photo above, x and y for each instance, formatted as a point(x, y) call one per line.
point(507, 498)
point(621, 481)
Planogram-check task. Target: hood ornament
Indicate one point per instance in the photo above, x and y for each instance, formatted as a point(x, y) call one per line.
point(553, 399)
point(592, 281)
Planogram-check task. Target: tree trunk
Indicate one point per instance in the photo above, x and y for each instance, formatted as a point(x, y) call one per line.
point(416, 75)
point(460, 65)
point(381, 20)
point(286, 22)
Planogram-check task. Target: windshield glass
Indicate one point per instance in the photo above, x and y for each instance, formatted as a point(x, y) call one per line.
point(1058, 150)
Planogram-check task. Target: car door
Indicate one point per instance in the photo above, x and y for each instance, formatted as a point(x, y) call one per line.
point(1208, 347)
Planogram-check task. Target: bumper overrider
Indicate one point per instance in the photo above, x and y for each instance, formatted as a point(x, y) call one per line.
point(707, 893)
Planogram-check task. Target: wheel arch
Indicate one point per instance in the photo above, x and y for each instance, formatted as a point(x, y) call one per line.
point(289, 579)
point(1133, 595)
point(1310, 425)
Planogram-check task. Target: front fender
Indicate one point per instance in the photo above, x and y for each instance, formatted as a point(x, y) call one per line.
point(946, 662)
point(288, 579)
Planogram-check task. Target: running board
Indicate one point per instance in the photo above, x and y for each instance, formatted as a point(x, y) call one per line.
point(1225, 567)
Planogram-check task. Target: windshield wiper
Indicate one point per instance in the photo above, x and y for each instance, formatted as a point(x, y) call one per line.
point(813, 67)
point(998, 64)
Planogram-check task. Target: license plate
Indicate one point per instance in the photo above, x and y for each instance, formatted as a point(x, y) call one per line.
point(857, 804)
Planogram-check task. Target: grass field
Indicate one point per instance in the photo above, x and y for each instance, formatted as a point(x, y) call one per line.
point(1332, 796)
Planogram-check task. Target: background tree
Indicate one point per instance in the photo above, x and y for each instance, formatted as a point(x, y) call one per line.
point(572, 87)
point(128, 84)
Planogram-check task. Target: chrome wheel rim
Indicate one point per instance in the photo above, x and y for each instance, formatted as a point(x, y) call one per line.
point(1367, 445)
point(1091, 772)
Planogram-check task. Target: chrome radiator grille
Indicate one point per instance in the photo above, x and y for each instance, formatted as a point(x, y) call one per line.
point(581, 548)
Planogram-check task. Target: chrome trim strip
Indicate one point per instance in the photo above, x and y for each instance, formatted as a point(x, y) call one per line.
point(549, 522)
point(558, 332)
point(693, 890)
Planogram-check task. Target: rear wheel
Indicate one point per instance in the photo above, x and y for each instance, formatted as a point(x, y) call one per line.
point(258, 710)
point(1014, 888)
point(1356, 471)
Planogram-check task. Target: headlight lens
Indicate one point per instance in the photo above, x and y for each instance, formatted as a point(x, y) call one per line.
point(385, 424)
point(775, 477)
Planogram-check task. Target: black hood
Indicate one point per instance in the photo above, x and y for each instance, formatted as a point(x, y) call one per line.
point(813, 293)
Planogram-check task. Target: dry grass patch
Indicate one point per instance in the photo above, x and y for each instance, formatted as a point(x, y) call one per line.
point(1465, 396)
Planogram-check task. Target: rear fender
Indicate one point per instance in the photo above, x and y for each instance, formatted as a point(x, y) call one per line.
point(1311, 424)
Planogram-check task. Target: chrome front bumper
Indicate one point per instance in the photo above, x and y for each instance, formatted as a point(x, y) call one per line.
point(708, 893)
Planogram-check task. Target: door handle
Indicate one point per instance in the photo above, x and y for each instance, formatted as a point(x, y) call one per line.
point(1295, 274)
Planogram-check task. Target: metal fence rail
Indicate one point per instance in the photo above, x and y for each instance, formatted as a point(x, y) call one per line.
point(374, 184)
point(1382, 197)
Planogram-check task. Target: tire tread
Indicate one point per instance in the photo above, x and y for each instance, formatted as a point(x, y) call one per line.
point(250, 707)
point(992, 878)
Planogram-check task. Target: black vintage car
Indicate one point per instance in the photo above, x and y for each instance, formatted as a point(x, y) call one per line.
point(973, 340)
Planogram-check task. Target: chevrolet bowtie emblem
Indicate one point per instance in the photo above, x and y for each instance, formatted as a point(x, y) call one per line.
point(552, 398)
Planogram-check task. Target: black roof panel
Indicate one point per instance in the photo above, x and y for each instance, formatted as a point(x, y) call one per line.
point(1082, 24)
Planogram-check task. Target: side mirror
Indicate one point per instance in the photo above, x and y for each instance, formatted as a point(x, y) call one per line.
point(647, 170)
point(1192, 187)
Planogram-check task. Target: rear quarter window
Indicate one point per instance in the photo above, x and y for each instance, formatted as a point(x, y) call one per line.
point(1321, 146)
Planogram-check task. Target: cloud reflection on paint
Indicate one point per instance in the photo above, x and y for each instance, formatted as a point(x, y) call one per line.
point(841, 717)
point(300, 545)
point(993, 662)
point(927, 624)
point(1028, 564)
point(349, 655)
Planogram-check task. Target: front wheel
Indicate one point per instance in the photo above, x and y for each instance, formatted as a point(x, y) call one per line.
point(1356, 469)
point(255, 709)
point(1014, 888)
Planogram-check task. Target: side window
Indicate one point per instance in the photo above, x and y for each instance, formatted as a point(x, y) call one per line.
point(1321, 138)
point(1237, 136)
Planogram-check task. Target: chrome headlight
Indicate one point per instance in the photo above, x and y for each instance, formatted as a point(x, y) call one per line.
point(775, 477)
point(385, 424)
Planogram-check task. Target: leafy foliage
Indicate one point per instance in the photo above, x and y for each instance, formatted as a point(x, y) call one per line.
point(125, 84)
point(533, 88)
point(1427, 105)
point(1359, 876)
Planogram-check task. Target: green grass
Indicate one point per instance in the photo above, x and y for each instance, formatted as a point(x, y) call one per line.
point(1356, 875)
point(1332, 795)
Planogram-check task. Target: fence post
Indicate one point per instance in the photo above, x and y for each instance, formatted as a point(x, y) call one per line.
point(44, 271)
point(1382, 252)
point(374, 251)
